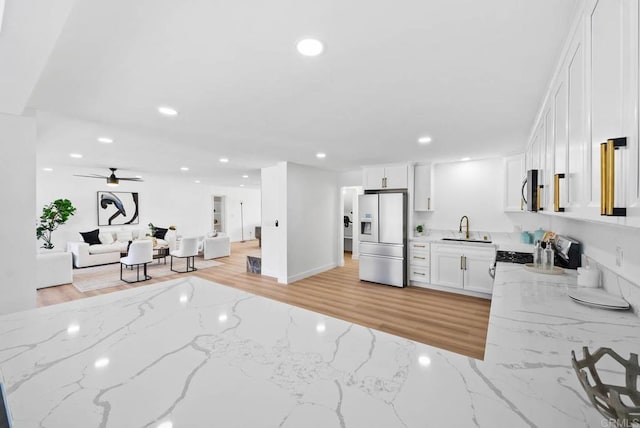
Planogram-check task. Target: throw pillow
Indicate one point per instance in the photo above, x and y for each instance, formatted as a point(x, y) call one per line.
point(124, 235)
point(105, 238)
point(91, 237)
point(160, 232)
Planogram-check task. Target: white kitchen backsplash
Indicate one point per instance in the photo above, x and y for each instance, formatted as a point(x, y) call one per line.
point(619, 286)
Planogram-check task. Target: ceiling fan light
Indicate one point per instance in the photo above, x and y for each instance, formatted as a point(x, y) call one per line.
point(112, 181)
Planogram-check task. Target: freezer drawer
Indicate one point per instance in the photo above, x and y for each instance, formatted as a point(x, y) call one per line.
point(383, 270)
point(390, 250)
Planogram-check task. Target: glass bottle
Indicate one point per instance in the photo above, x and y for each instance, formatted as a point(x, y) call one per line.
point(548, 257)
point(537, 255)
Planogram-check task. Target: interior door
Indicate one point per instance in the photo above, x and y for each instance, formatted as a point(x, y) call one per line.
point(391, 218)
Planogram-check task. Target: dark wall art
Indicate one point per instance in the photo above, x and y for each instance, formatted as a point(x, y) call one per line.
point(117, 208)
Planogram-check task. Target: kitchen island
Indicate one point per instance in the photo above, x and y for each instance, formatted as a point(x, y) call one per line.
point(190, 353)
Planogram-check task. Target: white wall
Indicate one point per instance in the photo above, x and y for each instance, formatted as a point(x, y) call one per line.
point(17, 255)
point(251, 217)
point(274, 208)
point(599, 241)
point(475, 189)
point(312, 231)
point(163, 200)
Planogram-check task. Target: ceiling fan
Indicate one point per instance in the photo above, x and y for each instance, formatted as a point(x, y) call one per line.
point(112, 180)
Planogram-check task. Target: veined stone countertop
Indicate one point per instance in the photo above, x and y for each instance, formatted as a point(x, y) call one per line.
point(191, 353)
point(501, 240)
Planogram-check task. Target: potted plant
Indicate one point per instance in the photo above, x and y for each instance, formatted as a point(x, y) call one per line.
point(419, 230)
point(153, 230)
point(53, 215)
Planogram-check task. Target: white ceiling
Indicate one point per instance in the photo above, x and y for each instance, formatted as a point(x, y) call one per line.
point(469, 73)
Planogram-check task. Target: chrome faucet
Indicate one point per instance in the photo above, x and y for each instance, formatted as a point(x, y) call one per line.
point(460, 229)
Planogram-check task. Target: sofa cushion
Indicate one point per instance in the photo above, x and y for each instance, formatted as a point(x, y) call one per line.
point(103, 249)
point(91, 237)
point(142, 233)
point(105, 238)
point(160, 232)
point(124, 235)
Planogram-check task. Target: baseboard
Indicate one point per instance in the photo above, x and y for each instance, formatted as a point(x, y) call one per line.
point(302, 275)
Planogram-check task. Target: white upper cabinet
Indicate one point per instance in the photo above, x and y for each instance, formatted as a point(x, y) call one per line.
point(514, 167)
point(606, 29)
point(576, 129)
point(593, 97)
point(560, 102)
point(396, 177)
point(549, 158)
point(385, 177)
point(373, 177)
point(422, 188)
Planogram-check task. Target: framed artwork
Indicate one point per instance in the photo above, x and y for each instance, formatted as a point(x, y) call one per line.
point(116, 208)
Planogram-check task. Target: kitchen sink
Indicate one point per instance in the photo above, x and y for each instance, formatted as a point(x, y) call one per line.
point(467, 240)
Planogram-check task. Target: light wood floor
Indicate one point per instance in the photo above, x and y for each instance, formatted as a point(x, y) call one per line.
point(449, 321)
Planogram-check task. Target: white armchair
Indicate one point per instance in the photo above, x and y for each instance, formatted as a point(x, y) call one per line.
point(218, 246)
point(140, 254)
point(188, 250)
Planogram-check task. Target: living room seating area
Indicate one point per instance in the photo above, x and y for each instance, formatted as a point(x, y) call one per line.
point(110, 245)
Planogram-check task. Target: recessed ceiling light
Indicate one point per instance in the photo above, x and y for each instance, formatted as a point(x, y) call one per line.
point(138, 176)
point(245, 176)
point(47, 169)
point(184, 168)
point(105, 140)
point(321, 155)
point(222, 317)
point(321, 328)
point(166, 424)
point(424, 140)
point(224, 160)
point(75, 155)
point(310, 47)
point(465, 159)
point(197, 181)
point(242, 185)
point(168, 111)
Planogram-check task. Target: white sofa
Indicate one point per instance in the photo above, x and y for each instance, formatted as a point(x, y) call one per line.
point(109, 251)
point(217, 246)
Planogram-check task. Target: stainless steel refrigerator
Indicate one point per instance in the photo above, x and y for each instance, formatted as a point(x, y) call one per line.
point(383, 238)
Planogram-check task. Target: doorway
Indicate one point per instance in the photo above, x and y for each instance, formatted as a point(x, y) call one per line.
point(219, 214)
point(349, 237)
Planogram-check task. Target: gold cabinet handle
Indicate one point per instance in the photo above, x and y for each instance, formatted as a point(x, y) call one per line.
point(419, 246)
point(419, 273)
point(428, 203)
point(461, 263)
point(608, 177)
point(419, 258)
point(539, 198)
point(556, 193)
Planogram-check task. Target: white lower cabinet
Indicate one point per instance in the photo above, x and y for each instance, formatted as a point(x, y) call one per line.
point(419, 262)
point(463, 267)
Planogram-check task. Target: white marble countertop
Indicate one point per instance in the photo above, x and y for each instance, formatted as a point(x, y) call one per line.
point(190, 353)
point(500, 240)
